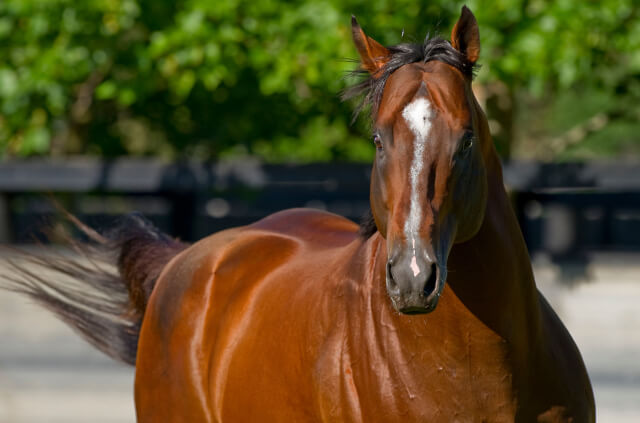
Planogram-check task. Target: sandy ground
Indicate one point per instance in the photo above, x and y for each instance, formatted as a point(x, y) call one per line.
point(47, 374)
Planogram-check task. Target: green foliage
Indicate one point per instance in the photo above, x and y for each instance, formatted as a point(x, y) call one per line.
point(208, 79)
point(572, 69)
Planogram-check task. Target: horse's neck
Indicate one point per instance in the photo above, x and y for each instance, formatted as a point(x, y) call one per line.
point(491, 273)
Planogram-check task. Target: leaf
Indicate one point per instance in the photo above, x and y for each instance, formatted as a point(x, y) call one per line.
point(106, 91)
point(35, 141)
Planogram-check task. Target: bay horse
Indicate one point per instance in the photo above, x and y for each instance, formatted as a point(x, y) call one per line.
point(428, 312)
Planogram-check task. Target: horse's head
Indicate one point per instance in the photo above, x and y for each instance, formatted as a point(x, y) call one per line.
point(428, 184)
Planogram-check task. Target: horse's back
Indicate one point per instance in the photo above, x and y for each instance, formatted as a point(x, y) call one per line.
point(246, 254)
point(212, 306)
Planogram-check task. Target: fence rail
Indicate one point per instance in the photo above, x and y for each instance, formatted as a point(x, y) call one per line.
point(564, 209)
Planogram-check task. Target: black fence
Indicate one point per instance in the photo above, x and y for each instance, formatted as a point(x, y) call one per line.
point(564, 209)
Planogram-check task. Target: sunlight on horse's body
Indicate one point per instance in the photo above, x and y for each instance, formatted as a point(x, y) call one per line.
point(304, 317)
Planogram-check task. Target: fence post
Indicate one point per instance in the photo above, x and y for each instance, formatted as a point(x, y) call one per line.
point(5, 217)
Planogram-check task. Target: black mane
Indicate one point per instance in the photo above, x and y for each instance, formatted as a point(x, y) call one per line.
point(372, 87)
point(367, 225)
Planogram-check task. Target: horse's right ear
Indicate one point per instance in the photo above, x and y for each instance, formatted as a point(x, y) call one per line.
point(373, 55)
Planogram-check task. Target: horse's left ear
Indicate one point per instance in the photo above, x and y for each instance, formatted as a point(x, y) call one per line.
point(465, 36)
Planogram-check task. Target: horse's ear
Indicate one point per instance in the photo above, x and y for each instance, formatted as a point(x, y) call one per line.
point(465, 36)
point(373, 55)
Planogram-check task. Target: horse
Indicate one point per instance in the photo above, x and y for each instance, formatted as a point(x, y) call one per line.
point(427, 311)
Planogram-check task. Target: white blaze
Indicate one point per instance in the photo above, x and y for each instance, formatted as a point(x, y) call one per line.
point(414, 265)
point(417, 114)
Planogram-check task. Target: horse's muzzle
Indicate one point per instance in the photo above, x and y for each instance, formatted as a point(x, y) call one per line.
point(414, 283)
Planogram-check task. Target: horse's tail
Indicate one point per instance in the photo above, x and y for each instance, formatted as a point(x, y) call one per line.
point(102, 295)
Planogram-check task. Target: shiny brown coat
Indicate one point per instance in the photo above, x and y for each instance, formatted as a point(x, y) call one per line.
point(288, 319)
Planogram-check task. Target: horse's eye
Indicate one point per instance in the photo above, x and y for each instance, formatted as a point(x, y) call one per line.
point(467, 142)
point(377, 141)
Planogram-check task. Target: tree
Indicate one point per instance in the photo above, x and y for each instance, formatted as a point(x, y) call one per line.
point(206, 79)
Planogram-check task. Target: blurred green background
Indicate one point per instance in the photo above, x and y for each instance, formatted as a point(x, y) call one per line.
point(203, 79)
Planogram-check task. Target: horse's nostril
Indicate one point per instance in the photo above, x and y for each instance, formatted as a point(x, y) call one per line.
point(430, 286)
point(393, 285)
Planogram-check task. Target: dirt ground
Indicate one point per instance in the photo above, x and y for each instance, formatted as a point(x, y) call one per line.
point(47, 374)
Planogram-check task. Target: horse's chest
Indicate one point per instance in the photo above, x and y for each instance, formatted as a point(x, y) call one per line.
point(442, 381)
